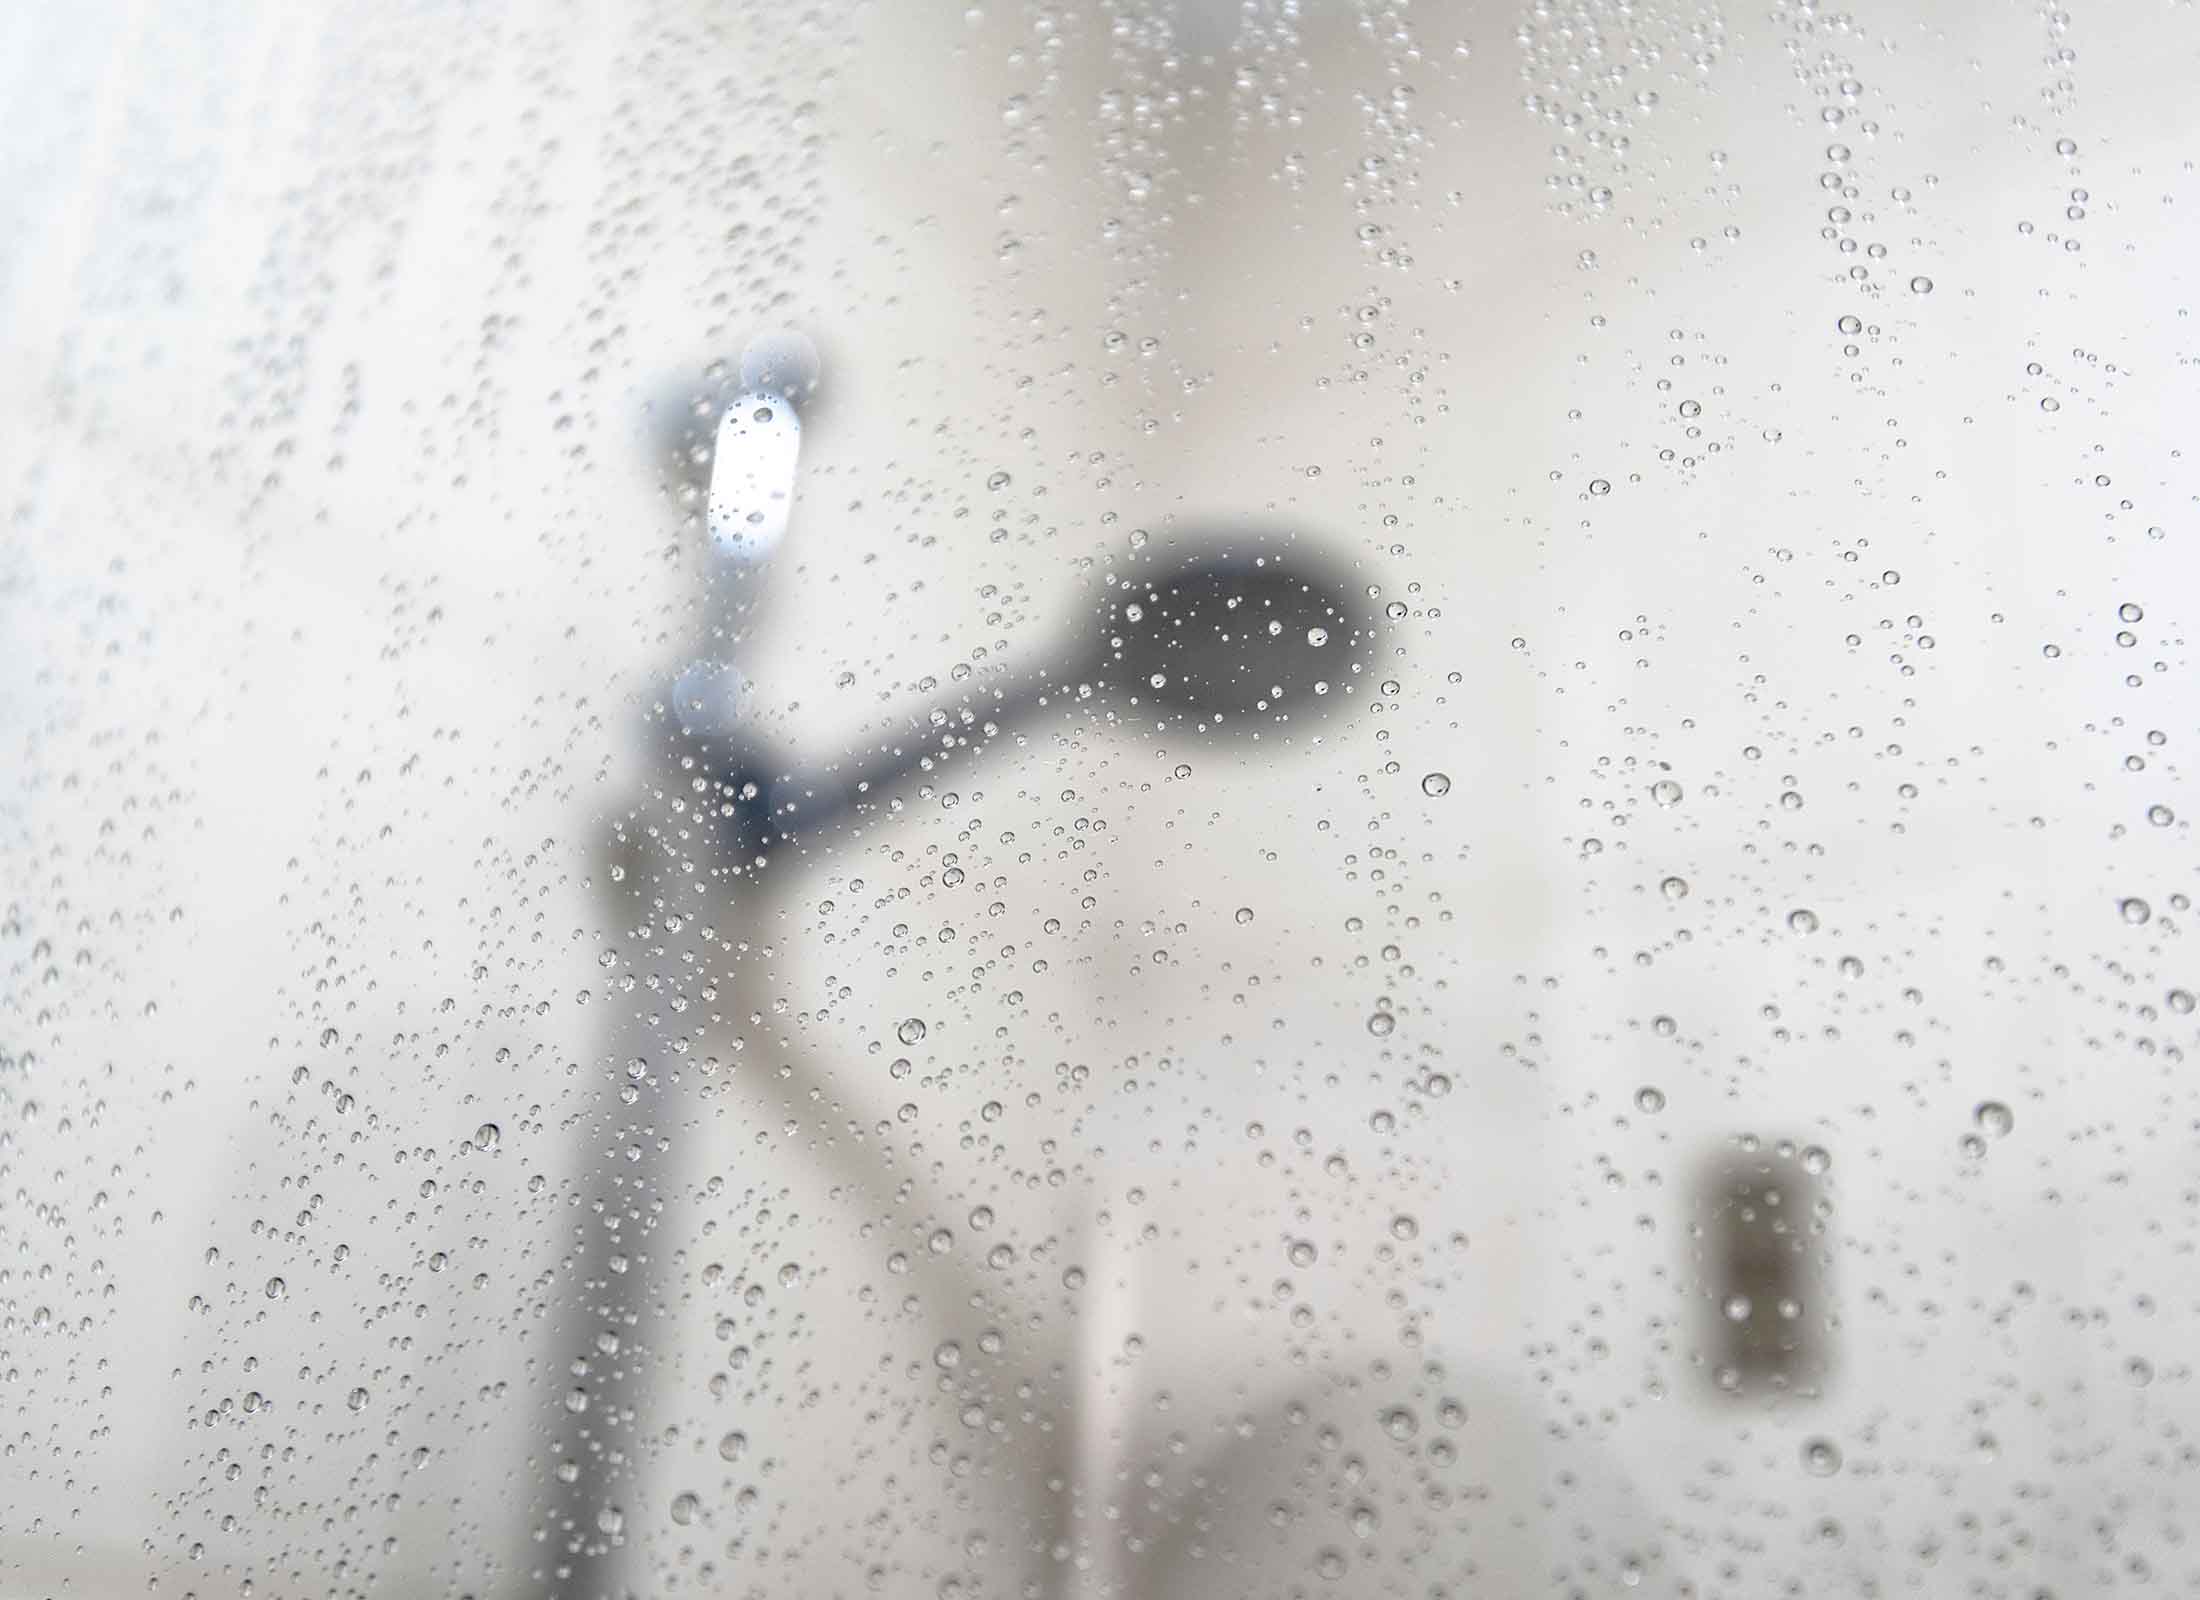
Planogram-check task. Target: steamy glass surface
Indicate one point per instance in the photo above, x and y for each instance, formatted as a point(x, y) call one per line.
point(1124, 800)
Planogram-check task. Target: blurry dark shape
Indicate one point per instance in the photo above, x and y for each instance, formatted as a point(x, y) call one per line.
point(1763, 1248)
point(1245, 636)
point(1237, 631)
point(1241, 638)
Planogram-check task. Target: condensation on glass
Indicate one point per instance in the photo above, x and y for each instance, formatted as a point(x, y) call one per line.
point(1117, 800)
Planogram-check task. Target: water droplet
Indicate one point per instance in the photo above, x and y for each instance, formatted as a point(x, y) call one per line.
point(1649, 1100)
point(998, 481)
point(2135, 910)
point(732, 1445)
point(685, 1507)
point(1821, 1457)
point(1244, 915)
point(1921, 284)
point(357, 1399)
point(911, 1030)
point(1994, 1118)
point(1302, 1253)
point(2181, 1002)
point(1404, 1227)
point(1317, 637)
point(2130, 612)
point(1436, 785)
point(1381, 1023)
point(1666, 792)
point(276, 1288)
point(1803, 921)
point(487, 1135)
point(2161, 816)
point(1674, 888)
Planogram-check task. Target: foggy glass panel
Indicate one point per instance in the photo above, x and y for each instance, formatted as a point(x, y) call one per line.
point(1097, 800)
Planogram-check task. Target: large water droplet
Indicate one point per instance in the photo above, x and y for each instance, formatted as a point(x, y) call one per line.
point(1821, 1457)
